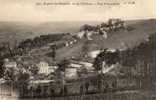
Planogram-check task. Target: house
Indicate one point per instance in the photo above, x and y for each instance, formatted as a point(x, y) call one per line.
point(106, 68)
point(80, 35)
point(82, 64)
point(71, 73)
point(10, 64)
point(66, 44)
point(43, 84)
point(34, 82)
point(89, 34)
point(52, 68)
point(93, 54)
point(103, 31)
point(75, 65)
point(88, 66)
point(45, 68)
point(115, 23)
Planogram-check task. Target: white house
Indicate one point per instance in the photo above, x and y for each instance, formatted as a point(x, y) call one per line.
point(44, 68)
point(74, 65)
point(106, 68)
point(66, 44)
point(105, 35)
point(89, 34)
point(82, 64)
point(80, 35)
point(10, 64)
point(93, 54)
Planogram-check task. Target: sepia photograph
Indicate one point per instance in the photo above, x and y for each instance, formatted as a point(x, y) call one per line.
point(77, 50)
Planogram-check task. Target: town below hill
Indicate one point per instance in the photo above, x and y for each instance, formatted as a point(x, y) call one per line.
point(115, 55)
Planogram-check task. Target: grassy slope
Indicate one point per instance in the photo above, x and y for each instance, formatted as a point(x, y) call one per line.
point(143, 28)
point(133, 38)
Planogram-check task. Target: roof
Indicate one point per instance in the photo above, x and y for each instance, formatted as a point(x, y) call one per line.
point(107, 69)
point(86, 64)
point(94, 54)
point(2, 80)
point(75, 65)
point(41, 81)
point(10, 64)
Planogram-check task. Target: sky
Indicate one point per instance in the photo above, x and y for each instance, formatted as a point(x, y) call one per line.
point(28, 11)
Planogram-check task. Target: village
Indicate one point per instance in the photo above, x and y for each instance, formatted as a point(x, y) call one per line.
point(69, 70)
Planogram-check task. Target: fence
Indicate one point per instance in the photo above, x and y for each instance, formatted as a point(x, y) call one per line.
point(8, 89)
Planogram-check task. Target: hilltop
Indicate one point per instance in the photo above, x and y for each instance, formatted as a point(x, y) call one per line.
point(142, 29)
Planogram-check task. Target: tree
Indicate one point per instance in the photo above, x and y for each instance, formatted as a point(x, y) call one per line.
point(109, 58)
point(10, 74)
point(2, 69)
point(34, 70)
point(98, 60)
point(38, 90)
point(104, 25)
point(53, 53)
point(85, 48)
point(86, 27)
point(22, 80)
point(63, 65)
point(23, 77)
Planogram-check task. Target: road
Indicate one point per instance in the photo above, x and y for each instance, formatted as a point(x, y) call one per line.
point(120, 95)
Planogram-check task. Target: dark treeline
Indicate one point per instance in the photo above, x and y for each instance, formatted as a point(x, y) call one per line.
point(145, 52)
point(26, 45)
point(40, 41)
point(142, 59)
point(138, 62)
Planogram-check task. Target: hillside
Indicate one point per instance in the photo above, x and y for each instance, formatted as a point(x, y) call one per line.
point(115, 39)
point(16, 31)
point(140, 33)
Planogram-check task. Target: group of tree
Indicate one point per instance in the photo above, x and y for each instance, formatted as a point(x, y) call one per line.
point(108, 57)
point(145, 51)
point(39, 41)
point(87, 27)
point(142, 58)
point(8, 51)
point(112, 24)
